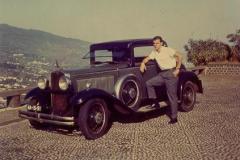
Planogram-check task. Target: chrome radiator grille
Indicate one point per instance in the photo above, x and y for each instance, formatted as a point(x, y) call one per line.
point(59, 101)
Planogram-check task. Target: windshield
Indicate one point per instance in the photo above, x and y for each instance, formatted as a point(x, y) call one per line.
point(108, 56)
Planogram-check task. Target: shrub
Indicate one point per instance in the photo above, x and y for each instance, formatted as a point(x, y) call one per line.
point(201, 52)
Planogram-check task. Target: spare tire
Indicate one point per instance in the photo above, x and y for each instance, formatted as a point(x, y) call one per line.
point(129, 91)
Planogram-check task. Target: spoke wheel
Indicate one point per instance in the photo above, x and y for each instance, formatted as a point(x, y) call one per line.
point(130, 93)
point(93, 118)
point(96, 118)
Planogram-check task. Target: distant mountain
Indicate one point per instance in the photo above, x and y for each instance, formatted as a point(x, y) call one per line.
point(35, 43)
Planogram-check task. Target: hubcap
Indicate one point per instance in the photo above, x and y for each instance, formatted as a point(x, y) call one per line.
point(188, 96)
point(130, 93)
point(99, 118)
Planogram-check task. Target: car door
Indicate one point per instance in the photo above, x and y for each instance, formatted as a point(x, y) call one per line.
point(139, 53)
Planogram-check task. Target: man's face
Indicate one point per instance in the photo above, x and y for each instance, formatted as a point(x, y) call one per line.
point(157, 44)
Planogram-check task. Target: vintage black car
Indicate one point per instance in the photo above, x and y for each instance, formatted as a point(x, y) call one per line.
point(112, 84)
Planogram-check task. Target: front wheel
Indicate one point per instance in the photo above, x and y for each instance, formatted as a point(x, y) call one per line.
point(188, 97)
point(93, 118)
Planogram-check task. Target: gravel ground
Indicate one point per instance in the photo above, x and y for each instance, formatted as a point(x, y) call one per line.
point(210, 131)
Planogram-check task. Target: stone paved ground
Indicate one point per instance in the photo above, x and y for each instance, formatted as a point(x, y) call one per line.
point(210, 131)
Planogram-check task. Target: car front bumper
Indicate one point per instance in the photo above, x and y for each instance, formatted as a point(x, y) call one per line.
point(47, 118)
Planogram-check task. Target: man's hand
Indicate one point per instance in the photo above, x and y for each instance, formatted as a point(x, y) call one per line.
point(143, 67)
point(176, 72)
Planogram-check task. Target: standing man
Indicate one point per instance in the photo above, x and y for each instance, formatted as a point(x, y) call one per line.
point(169, 62)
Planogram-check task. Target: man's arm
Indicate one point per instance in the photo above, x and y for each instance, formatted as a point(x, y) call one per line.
point(143, 66)
point(178, 57)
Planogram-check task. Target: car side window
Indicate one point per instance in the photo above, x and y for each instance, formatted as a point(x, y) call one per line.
point(121, 55)
point(113, 55)
point(141, 52)
point(103, 55)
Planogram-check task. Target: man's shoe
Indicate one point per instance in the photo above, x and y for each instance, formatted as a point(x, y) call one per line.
point(173, 121)
point(155, 106)
point(155, 103)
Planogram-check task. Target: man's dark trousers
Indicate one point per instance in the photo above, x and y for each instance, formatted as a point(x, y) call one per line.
point(167, 78)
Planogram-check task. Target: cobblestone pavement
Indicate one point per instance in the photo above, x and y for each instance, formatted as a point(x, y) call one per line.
point(210, 131)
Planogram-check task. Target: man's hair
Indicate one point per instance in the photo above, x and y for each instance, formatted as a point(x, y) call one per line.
point(157, 37)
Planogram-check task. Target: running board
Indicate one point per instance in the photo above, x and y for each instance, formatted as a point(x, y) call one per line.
point(148, 108)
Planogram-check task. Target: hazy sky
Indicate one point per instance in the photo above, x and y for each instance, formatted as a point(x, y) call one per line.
point(103, 20)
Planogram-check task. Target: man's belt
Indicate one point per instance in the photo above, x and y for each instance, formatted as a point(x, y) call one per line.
point(164, 70)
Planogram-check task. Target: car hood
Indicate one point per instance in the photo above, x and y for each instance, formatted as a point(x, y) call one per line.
point(94, 69)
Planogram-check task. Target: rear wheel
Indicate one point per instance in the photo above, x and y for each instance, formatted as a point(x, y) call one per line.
point(188, 97)
point(93, 118)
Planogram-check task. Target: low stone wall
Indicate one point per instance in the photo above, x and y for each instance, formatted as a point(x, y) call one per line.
point(223, 69)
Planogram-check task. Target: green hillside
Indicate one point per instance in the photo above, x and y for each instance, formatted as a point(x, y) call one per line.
point(35, 43)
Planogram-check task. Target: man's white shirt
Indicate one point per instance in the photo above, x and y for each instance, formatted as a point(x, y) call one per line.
point(165, 58)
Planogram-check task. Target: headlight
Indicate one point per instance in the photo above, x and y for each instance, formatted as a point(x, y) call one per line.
point(42, 83)
point(64, 83)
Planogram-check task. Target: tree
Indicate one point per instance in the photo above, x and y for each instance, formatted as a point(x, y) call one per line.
point(201, 52)
point(235, 39)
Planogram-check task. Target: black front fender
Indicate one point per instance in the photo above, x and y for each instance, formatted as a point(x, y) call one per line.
point(114, 104)
point(35, 92)
point(43, 96)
